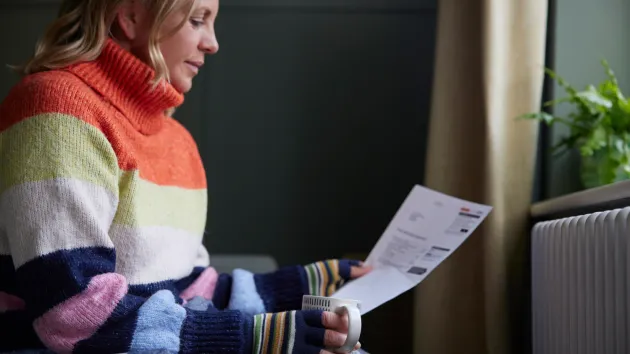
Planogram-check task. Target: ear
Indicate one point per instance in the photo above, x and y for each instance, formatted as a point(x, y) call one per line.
point(130, 18)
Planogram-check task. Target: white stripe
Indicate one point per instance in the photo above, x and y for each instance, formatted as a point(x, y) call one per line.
point(152, 254)
point(203, 258)
point(58, 214)
point(292, 333)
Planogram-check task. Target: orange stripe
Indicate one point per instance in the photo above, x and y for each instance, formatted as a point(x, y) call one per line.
point(279, 333)
point(322, 269)
point(267, 328)
point(62, 92)
point(334, 268)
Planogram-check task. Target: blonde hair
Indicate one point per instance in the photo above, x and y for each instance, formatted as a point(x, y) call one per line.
point(82, 27)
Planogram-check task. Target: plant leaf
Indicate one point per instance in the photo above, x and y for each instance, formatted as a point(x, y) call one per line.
point(595, 100)
point(541, 116)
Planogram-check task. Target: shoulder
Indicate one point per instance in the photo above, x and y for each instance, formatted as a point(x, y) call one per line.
point(177, 128)
point(181, 139)
point(51, 93)
point(182, 144)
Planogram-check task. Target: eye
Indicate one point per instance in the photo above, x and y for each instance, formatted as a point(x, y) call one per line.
point(196, 22)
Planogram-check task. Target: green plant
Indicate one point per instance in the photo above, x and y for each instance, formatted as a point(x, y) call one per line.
point(599, 126)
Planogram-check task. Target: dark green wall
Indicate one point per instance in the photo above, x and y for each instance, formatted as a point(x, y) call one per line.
point(312, 121)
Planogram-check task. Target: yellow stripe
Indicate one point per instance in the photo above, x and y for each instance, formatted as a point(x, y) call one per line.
point(324, 278)
point(53, 145)
point(160, 205)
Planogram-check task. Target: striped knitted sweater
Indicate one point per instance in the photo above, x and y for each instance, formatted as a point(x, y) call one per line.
point(102, 212)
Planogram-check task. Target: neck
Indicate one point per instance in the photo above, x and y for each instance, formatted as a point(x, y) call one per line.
point(127, 82)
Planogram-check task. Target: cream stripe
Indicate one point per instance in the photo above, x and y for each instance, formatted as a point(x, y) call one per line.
point(203, 258)
point(59, 214)
point(291, 333)
point(153, 253)
point(54, 145)
point(160, 205)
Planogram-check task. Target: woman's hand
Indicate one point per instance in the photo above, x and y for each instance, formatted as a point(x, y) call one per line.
point(359, 270)
point(336, 332)
point(325, 277)
point(300, 332)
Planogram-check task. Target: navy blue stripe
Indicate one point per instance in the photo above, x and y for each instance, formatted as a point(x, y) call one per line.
point(51, 279)
point(146, 290)
point(282, 290)
point(273, 329)
point(7, 275)
point(287, 332)
point(222, 292)
point(220, 332)
point(16, 332)
point(116, 334)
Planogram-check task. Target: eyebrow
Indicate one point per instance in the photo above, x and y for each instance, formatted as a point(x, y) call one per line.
point(206, 10)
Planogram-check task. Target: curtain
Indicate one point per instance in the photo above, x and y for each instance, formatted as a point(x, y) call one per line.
point(489, 69)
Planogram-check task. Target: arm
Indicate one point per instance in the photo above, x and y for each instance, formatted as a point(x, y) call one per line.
point(281, 290)
point(58, 197)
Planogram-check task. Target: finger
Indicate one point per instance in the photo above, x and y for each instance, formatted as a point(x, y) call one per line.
point(356, 272)
point(324, 351)
point(334, 339)
point(356, 347)
point(335, 321)
point(313, 318)
point(316, 337)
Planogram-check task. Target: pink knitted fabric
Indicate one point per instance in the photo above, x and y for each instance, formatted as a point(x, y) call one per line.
point(10, 302)
point(81, 315)
point(203, 286)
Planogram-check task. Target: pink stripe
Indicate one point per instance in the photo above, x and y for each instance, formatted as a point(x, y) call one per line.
point(10, 302)
point(79, 317)
point(203, 286)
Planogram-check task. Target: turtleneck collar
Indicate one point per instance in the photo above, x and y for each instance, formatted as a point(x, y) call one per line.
point(125, 81)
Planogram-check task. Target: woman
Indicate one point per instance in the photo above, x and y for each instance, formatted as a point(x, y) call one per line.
point(103, 201)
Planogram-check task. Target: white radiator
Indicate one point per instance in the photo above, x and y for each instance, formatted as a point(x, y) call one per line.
point(580, 284)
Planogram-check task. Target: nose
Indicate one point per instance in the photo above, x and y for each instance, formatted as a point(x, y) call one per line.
point(209, 43)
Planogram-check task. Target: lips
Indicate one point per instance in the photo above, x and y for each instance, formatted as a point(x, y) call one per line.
point(194, 65)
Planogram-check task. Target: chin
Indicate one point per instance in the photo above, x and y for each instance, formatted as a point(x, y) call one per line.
point(182, 86)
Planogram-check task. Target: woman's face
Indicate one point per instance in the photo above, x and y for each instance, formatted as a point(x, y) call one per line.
point(185, 50)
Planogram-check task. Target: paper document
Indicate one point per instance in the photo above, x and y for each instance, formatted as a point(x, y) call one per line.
point(427, 228)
